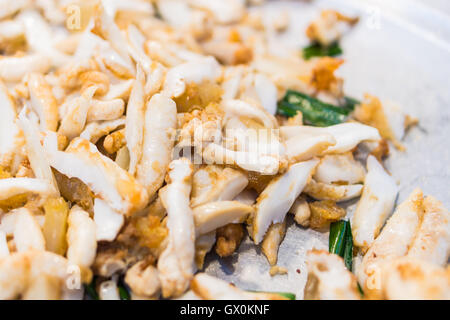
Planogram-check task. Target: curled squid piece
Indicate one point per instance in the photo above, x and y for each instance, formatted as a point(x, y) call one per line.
point(43, 102)
point(40, 37)
point(325, 191)
point(301, 211)
point(412, 279)
point(375, 205)
point(339, 168)
point(211, 288)
point(160, 122)
point(212, 215)
point(203, 245)
point(195, 71)
point(19, 273)
point(329, 27)
point(347, 135)
point(101, 110)
point(107, 180)
point(272, 240)
point(393, 241)
point(135, 121)
point(96, 130)
point(10, 135)
point(328, 278)
point(14, 68)
point(11, 187)
point(74, 120)
point(277, 198)
point(265, 164)
point(81, 238)
point(306, 146)
point(143, 280)
point(432, 241)
point(176, 262)
point(108, 222)
point(213, 183)
point(27, 232)
point(35, 151)
point(240, 108)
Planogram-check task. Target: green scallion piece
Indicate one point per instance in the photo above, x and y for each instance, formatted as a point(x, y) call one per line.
point(318, 50)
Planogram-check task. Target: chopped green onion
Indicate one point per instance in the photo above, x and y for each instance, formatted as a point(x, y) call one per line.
point(341, 241)
point(337, 237)
point(318, 50)
point(361, 292)
point(350, 103)
point(90, 290)
point(348, 249)
point(315, 112)
point(288, 295)
point(123, 293)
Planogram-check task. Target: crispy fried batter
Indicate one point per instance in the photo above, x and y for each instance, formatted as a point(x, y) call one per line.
point(229, 238)
point(324, 212)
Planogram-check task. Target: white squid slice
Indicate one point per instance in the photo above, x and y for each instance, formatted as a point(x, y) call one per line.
point(393, 241)
point(213, 215)
point(43, 102)
point(40, 37)
point(301, 211)
point(432, 241)
point(95, 130)
point(104, 177)
point(265, 164)
point(328, 278)
point(10, 140)
point(102, 110)
point(107, 221)
point(203, 245)
point(134, 127)
point(211, 288)
point(347, 135)
point(213, 183)
point(160, 122)
point(108, 290)
point(120, 90)
point(175, 265)
point(306, 146)
point(194, 71)
point(74, 120)
point(136, 42)
point(338, 193)
point(375, 205)
point(15, 68)
point(27, 232)
point(81, 238)
point(35, 151)
point(410, 279)
point(112, 33)
point(335, 168)
point(10, 30)
point(242, 108)
point(11, 187)
point(277, 198)
point(20, 269)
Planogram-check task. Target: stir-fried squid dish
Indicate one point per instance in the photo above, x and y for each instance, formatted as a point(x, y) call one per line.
point(138, 136)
